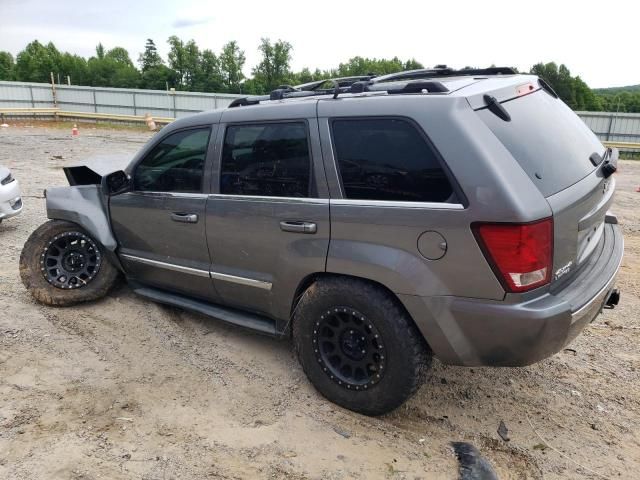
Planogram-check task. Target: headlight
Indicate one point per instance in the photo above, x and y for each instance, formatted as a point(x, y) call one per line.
point(8, 179)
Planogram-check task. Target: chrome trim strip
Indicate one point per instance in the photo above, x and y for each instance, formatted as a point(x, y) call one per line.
point(256, 198)
point(249, 282)
point(170, 194)
point(167, 266)
point(396, 204)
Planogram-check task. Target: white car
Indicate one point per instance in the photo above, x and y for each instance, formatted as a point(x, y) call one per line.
point(10, 199)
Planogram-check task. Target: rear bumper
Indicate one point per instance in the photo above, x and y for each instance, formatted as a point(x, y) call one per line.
point(463, 331)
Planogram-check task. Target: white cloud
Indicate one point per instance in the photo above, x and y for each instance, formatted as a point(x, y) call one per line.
point(189, 22)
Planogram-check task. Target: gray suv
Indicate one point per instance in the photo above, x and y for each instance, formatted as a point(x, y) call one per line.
point(378, 221)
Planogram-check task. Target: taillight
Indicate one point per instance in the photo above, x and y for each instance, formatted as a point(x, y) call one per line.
point(520, 254)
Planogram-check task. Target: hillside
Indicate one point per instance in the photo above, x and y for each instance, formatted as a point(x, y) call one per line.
point(614, 90)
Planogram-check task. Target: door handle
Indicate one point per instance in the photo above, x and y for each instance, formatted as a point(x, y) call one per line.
point(184, 217)
point(298, 227)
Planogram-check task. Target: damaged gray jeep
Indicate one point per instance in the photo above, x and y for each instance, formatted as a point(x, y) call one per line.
point(378, 221)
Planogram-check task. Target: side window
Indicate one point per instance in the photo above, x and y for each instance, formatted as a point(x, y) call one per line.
point(266, 160)
point(387, 159)
point(176, 164)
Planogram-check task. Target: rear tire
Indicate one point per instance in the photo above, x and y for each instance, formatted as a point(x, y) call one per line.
point(58, 288)
point(358, 346)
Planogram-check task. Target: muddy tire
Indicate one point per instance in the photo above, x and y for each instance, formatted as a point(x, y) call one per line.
point(62, 265)
point(358, 346)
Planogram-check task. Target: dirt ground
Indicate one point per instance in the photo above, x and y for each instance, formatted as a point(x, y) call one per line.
point(125, 388)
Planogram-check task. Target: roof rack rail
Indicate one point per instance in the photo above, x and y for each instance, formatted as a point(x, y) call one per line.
point(442, 71)
point(342, 82)
point(242, 102)
point(416, 86)
point(340, 85)
point(409, 81)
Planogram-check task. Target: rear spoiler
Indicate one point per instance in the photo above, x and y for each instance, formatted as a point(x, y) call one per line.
point(510, 88)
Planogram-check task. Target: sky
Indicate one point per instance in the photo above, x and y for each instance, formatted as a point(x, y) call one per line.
point(596, 40)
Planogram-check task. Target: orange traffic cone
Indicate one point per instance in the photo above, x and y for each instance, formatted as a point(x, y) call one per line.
point(638, 189)
point(74, 130)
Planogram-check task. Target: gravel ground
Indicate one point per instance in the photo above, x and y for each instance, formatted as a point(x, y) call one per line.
point(125, 388)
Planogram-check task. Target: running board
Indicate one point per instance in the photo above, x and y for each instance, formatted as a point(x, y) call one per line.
point(233, 316)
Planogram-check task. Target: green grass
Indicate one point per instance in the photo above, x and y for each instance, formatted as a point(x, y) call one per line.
point(629, 155)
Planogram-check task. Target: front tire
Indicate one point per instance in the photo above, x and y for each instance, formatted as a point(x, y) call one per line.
point(61, 265)
point(358, 346)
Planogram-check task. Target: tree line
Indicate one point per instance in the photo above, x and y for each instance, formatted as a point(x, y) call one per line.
point(187, 67)
point(190, 68)
point(577, 94)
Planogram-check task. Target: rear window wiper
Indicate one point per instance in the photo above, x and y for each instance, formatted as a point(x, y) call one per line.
point(496, 108)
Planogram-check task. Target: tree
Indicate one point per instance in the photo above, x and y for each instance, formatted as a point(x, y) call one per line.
point(305, 76)
point(158, 78)
point(273, 70)
point(149, 58)
point(73, 66)
point(177, 60)
point(192, 64)
point(412, 64)
point(7, 66)
point(36, 62)
point(231, 61)
point(208, 76)
point(120, 56)
point(364, 66)
point(572, 90)
point(112, 69)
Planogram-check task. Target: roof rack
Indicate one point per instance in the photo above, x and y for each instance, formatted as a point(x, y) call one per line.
point(410, 81)
point(342, 82)
point(311, 89)
point(443, 71)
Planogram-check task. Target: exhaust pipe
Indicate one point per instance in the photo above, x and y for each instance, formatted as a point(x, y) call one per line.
point(613, 299)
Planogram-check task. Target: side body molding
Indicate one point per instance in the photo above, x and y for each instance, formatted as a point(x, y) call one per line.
point(84, 205)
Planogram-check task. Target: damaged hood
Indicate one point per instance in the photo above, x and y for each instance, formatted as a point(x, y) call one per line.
point(91, 171)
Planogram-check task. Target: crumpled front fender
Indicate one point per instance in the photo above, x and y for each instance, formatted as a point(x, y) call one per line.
point(86, 206)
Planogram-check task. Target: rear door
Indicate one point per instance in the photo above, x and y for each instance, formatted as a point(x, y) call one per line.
point(268, 215)
point(554, 147)
point(160, 224)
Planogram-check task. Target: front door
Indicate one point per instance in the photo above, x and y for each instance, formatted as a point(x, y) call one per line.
point(160, 224)
point(268, 222)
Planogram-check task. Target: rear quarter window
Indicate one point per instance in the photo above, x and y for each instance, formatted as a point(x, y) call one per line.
point(387, 159)
point(547, 139)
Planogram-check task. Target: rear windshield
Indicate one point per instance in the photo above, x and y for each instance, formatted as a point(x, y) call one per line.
point(547, 139)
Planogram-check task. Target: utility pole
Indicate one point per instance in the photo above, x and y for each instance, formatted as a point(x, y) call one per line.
point(55, 98)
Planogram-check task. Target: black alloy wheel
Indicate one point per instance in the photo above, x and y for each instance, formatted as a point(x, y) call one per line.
point(349, 348)
point(70, 260)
